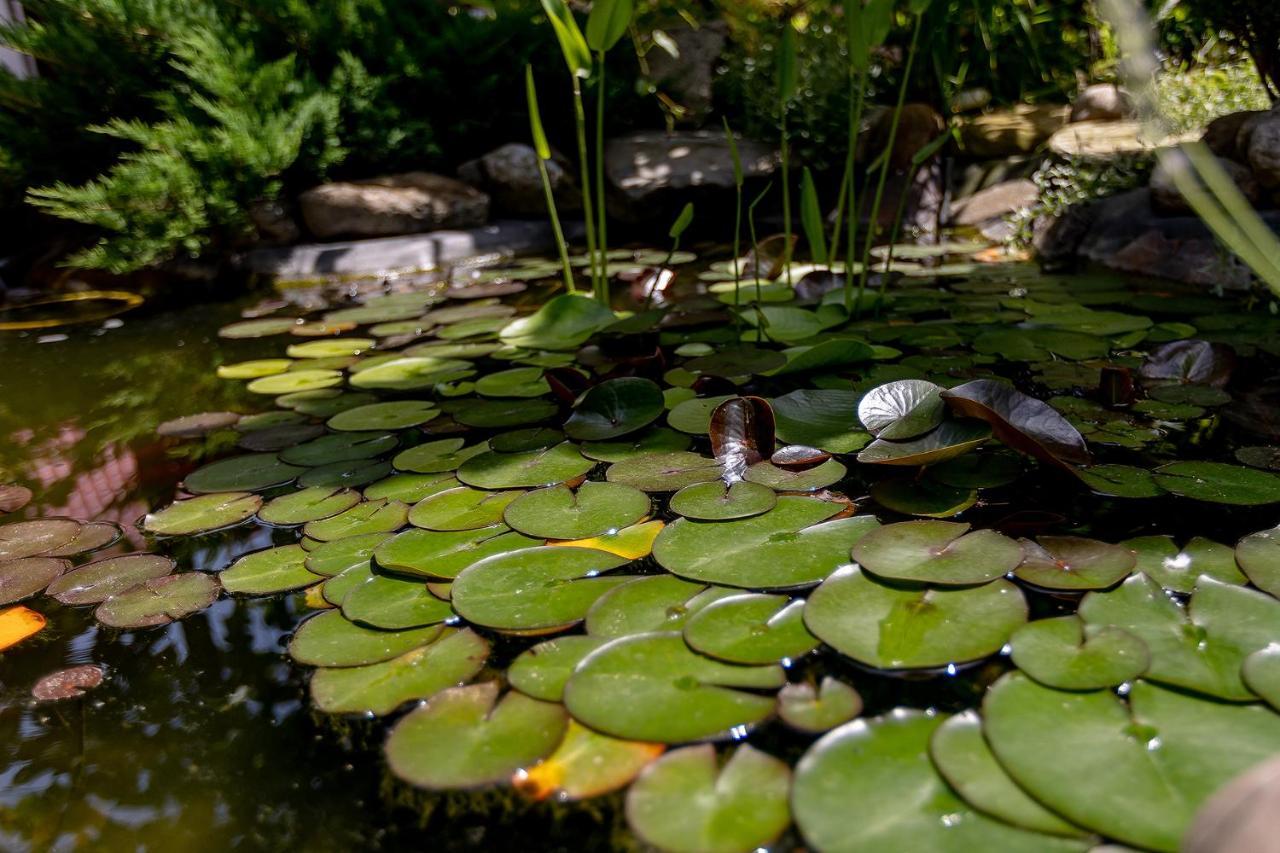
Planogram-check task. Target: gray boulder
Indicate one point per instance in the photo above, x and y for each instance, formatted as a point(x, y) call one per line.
point(511, 177)
point(1166, 198)
point(1264, 151)
point(651, 171)
point(1223, 136)
point(991, 205)
point(1102, 102)
point(391, 205)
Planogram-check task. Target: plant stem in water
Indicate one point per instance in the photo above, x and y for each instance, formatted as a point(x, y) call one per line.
point(602, 225)
point(588, 209)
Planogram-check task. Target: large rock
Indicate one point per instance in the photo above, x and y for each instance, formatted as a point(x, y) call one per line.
point(1223, 134)
point(1264, 151)
point(688, 76)
point(391, 205)
point(1017, 130)
point(1167, 199)
point(511, 177)
point(918, 125)
point(274, 224)
point(1102, 102)
point(994, 203)
point(651, 172)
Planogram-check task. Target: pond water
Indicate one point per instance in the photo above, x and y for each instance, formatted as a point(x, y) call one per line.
point(203, 735)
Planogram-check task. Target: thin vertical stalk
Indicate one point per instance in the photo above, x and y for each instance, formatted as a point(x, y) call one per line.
point(563, 248)
point(602, 224)
point(888, 161)
point(588, 208)
point(786, 196)
point(737, 265)
point(856, 106)
point(755, 254)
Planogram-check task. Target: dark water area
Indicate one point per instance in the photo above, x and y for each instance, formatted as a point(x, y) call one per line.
point(201, 736)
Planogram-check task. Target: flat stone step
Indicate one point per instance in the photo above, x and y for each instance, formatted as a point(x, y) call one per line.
point(383, 255)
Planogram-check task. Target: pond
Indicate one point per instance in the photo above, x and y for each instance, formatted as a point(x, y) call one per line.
point(831, 552)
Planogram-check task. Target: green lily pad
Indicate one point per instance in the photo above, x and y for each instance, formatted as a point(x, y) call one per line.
point(1067, 654)
point(253, 472)
point(1120, 481)
point(334, 558)
point(499, 414)
point(1178, 569)
point(202, 514)
point(826, 419)
point(401, 414)
point(654, 603)
point(96, 582)
point(411, 373)
point(652, 440)
point(1073, 563)
point(652, 687)
point(870, 786)
point(1258, 555)
point(530, 469)
point(1265, 457)
point(786, 480)
point(1200, 648)
point(889, 627)
point(911, 496)
point(543, 670)
point(614, 408)
point(520, 440)
point(330, 348)
point(754, 628)
point(715, 501)
point(307, 505)
point(791, 545)
point(394, 604)
point(536, 589)
point(937, 552)
point(664, 472)
point(516, 382)
point(1217, 482)
point(33, 538)
point(953, 438)
point(28, 576)
point(258, 328)
point(980, 470)
point(1261, 673)
point(93, 536)
point(450, 660)
point(443, 555)
point(587, 764)
point(561, 513)
point(159, 601)
point(737, 361)
point(330, 639)
point(962, 756)
point(381, 516)
point(1149, 765)
point(684, 802)
point(273, 439)
point(354, 474)
point(564, 322)
point(295, 381)
point(340, 447)
point(436, 457)
point(410, 488)
point(693, 416)
point(324, 403)
point(463, 508)
point(268, 572)
point(337, 588)
point(464, 738)
point(826, 355)
point(816, 710)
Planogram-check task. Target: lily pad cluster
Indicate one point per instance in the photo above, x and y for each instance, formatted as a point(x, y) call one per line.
point(735, 512)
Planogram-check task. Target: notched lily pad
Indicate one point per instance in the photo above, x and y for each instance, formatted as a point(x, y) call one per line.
point(1067, 654)
point(937, 552)
point(159, 601)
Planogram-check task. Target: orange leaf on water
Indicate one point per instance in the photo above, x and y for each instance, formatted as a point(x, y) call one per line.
point(18, 623)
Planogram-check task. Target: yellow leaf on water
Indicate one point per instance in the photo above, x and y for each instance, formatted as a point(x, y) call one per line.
point(586, 764)
point(631, 542)
point(313, 599)
point(18, 623)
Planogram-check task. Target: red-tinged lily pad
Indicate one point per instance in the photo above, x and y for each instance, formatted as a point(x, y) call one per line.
point(33, 538)
point(28, 576)
point(69, 683)
point(1023, 423)
point(159, 601)
point(664, 472)
point(742, 434)
point(937, 552)
point(953, 438)
point(1190, 362)
point(1069, 563)
point(96, 582)
point(13, 497)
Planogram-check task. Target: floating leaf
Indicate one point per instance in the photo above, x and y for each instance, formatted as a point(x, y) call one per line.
point(329, 639)
point(462, 508)
point(412, 373)
point(436, 457)
point(1258, 555)
point(401, 414)
point(536, 589)
point(1024, 423)
point(381, 516)
point(964, 759)
point(685, 803)
point(563, 323)
point(910, 496)
point(28, 576)
point(437, 554)
point(652, 440)
point(497, 414)
point(530, 469)
point(1073, 563)
point(652, 687)
point(17, 624)
point(1069, 655)
point(202, 514)
point(826, 419)
point(394, 604)
point(93, 536)
point(450, 660)
point(295, 381)
point(937, 552)
point(951, 439)
point(541, 672)
point(1120, 481)
point(561, 513)
point(816, 710)
point(664, 472)
point(340, 447)
point(307, 505)
point(1190, 361)
point(1178, 569)
point(694, 416)
point(32, 538)
point(1199, 649)
point(269, 571)
point(715, 501)
point(1218, 482)
point(791, 545)
point(98, 581)
point(253, 472)
point(889, 627)
point(632, 543)
point(1149, 764)
point(614, 408)
point(792, 480)
point(69, 683)
point(901, 410)
point(464, 738)
point(742, 434)
point(870, 786)
point(410, 488)
point(585, 765)
point(159, 601)
point(334, 558)
point(754, 629)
